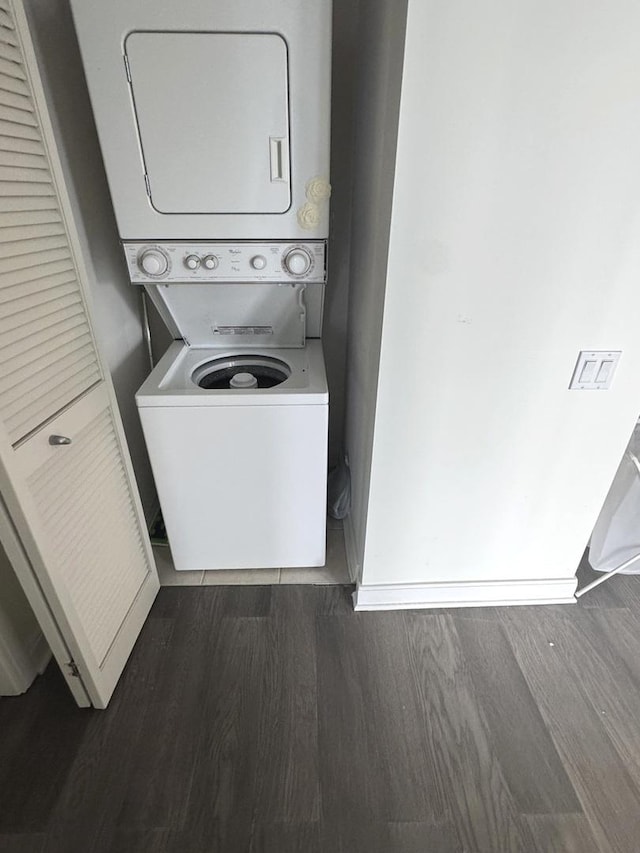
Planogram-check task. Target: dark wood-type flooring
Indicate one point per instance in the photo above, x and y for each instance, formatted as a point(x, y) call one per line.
point(275, 720)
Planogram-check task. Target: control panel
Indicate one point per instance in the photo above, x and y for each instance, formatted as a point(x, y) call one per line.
point(218, 261)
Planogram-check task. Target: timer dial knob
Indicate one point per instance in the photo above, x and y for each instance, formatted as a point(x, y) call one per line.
point(153, 262)
point(210, 262)
point(258, 262)
point(192, 262)
point(297, 261)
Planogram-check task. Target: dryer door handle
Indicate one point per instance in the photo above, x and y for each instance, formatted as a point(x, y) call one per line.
point(277, 152)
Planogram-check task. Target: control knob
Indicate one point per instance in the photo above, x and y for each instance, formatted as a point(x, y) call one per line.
point(258, 262)
point(153, 262)
point(210, 262)
point(192, 262)
point(297, 261)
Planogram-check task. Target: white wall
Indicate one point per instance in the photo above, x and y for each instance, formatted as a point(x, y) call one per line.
point(379, 59)
point(23, 649)
point(514, 244)
point(116, 302)
point(344, 66)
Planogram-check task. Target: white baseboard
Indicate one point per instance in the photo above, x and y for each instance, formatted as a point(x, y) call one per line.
point(350, 549)
point(464, 594)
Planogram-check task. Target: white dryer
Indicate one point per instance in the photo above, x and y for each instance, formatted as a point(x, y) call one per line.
point(235, 414)
point(213, 117)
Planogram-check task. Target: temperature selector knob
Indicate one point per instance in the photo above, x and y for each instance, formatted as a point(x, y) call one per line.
point(153, 262)
point(258, 262)
point(210, 262)
point(297, 261)
point(192, 262)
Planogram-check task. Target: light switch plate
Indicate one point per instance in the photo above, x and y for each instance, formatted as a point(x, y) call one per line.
point(594, 370)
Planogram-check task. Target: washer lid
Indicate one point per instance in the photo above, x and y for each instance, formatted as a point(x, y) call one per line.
point(263, 314)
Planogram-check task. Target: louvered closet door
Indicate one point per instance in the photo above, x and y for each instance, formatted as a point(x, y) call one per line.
point(66, 476)
point(47, 355)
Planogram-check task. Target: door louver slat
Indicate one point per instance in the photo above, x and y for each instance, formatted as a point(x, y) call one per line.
point(29, 276)
point(17, 115)
point(33, 188)
point(22, 239)
point(10, 294)
point(18, 423)
point(7, 35)
point(17, 130)
point(16, 307)
point(33, 260)
point(18, 174)
point(33, 315)
point(70, 340)
point(42, 335)
point(70, 364)
point(11, 69)
point(12, 84)
point(9, 51)
point(5, 20)
point(42, 344)
point(21, 145)
point(28, 217)
point(20, 160)
point(13, 99)
point(19, 204)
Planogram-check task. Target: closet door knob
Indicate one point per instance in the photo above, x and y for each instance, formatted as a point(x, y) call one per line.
point(59, 439)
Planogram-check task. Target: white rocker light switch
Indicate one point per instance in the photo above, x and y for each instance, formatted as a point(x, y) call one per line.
point(594, 370)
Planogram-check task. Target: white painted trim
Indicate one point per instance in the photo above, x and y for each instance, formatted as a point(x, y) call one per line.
point(350, 549)
point(464, 594)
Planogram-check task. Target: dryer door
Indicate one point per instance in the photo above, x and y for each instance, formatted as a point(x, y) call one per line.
point(212, 119)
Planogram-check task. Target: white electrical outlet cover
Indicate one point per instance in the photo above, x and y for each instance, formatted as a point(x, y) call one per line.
point(594, 370)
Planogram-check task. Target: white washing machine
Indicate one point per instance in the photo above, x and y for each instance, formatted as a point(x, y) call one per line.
point(235, 415)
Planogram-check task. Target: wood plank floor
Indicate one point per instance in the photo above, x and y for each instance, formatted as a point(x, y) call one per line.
point(275, 720)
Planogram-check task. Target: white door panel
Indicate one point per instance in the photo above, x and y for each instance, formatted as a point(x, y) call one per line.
point(213, 122)
point(73, 524)
point(87, 544)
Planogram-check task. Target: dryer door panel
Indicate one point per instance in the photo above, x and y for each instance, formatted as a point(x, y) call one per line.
point(212, 117)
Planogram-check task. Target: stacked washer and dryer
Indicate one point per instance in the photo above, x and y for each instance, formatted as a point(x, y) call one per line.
point(213, 119)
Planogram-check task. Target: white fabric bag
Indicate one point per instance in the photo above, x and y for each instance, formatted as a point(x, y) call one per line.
point(616, 536)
